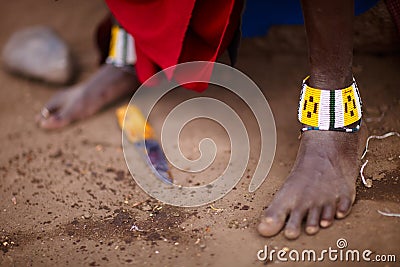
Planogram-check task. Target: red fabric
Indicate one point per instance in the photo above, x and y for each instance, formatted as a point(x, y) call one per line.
point(168, 32)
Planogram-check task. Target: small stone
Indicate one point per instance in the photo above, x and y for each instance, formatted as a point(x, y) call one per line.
point(146, 208)
point(233, 224)
point(87, 215)
point(245, 207)
point(38, 52)
point(378, 176)
point(369, 183)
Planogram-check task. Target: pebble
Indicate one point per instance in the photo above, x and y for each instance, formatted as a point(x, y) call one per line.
point(233, 224)
point(147, 208)
point(87, 215)
point(38, 52)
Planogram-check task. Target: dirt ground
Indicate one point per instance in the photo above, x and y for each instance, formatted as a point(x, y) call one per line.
point(67, 199)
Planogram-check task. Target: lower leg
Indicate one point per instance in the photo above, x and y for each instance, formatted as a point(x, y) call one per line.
point(321, 184)
point(329, 28)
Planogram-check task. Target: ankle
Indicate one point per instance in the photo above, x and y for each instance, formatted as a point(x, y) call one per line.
point(330, 80)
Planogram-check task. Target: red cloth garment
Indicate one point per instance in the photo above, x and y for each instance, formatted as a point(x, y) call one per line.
point(168, 32)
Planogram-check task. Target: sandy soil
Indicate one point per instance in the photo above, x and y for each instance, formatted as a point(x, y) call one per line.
point(67, 199)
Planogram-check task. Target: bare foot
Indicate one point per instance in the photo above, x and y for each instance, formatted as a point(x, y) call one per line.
point(108, 84)
point(320, 187)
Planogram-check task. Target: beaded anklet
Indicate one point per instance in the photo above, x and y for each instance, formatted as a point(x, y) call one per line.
point(122, 48)
point(330, 110)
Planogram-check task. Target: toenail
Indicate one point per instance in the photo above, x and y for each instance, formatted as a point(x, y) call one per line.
point(340, 215)
point(291, 234)
point(267, 220)
point(325, 223)
point(45, 113)
point(311, 230)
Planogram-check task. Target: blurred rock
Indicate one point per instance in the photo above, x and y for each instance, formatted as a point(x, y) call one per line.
point(38, 52)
